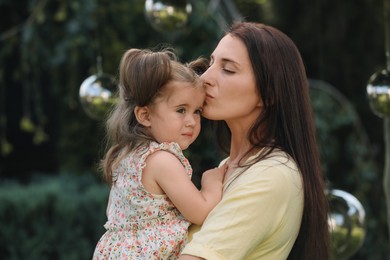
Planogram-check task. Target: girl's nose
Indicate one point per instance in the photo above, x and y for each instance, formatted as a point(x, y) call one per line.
point(190, 121)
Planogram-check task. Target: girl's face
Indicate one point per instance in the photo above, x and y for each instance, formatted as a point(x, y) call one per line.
point(230, 83)
point(175, 116)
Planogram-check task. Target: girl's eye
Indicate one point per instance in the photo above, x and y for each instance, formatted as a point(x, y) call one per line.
point(198, 111)
point(181, 110)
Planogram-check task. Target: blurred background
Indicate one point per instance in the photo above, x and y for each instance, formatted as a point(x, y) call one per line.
point(52, 199)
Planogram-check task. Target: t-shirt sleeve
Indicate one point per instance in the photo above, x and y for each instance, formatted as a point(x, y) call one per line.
point(249, 214)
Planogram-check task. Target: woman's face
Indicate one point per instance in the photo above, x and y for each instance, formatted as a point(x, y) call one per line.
point(230, 83)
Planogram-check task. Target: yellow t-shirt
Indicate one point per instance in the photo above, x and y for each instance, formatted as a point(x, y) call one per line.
point(258, 217)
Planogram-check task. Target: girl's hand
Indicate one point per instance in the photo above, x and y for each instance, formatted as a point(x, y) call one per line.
point(212, 183)
point(215, 175)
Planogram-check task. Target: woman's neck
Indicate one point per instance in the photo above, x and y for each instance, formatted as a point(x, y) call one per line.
point(240, 146)
point(239, 143)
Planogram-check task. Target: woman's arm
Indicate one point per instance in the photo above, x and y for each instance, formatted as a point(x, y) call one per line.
point(261, 209)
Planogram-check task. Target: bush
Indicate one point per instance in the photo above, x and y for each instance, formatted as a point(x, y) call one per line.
point(58, 217)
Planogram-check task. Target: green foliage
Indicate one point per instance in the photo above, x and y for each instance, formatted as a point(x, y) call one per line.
point(348, 162)
point(53, 46)
point(52, 218)
point(48, 48)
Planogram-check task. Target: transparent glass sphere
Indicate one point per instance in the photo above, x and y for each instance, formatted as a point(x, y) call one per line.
point(97, 94)
point(346, 224)
point(167, 15)
point(378, 92)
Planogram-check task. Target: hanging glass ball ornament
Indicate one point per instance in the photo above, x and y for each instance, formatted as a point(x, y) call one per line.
point(167, 15)
point(346, 224)
point(97, 95)
point(378, 91)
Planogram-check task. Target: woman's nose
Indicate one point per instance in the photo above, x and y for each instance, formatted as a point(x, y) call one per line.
point(207, 77)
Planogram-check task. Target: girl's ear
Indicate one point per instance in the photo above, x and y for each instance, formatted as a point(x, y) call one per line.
point(142, 115)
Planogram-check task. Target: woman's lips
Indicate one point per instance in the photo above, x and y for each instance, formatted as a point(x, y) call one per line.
point(208, 96)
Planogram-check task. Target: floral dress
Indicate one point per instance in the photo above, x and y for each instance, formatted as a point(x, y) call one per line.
point(142, 225)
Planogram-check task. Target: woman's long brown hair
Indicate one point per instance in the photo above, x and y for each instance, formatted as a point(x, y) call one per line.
point(287, 123)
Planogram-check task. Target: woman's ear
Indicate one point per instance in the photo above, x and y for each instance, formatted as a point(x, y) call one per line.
point(142, 115)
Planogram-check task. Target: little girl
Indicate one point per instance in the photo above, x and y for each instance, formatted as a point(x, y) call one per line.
point(152, 199)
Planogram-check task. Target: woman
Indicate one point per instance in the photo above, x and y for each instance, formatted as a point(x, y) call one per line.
point(274, 205)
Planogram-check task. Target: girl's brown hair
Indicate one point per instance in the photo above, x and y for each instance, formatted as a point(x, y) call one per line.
point(143, 75)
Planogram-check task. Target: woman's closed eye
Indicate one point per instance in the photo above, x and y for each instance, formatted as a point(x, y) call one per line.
point(228, 71)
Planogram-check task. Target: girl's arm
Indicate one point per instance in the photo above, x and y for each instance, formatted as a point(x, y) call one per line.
point(164, 171)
